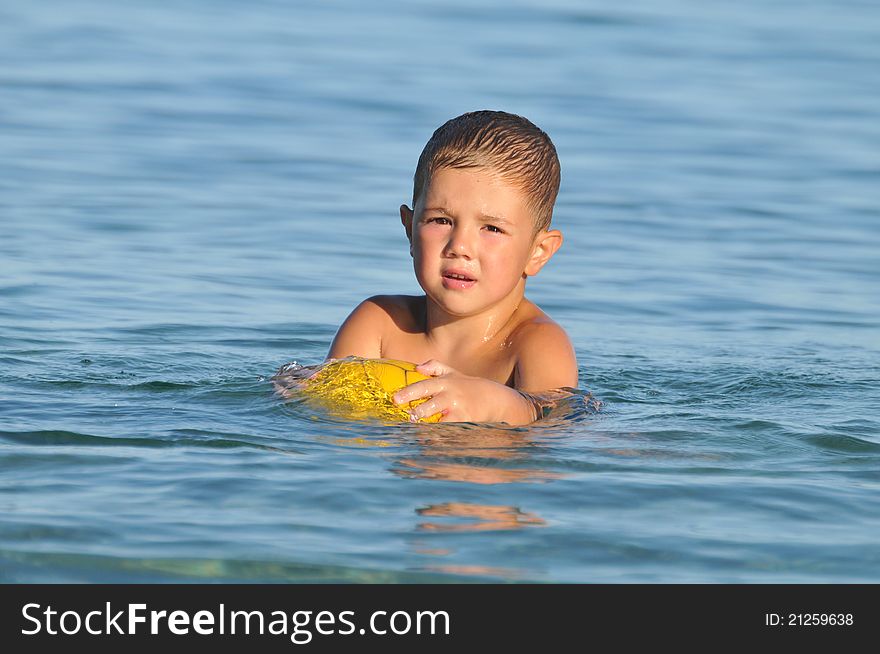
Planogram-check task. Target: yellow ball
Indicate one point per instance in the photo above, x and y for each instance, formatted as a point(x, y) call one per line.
point(363, 388)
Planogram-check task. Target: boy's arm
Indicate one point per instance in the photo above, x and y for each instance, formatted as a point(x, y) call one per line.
point(361, 333)
point(545, 359)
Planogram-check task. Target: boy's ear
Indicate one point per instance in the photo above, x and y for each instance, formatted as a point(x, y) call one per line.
point(546, 244)
point(406, 218)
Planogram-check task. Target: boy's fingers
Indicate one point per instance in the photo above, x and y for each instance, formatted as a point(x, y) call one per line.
point(416, 391)
point(426, 410)
point(434, 368)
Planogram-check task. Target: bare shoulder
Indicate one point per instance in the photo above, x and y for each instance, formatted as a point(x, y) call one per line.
point(407, 312)
point(545, 357)
point(373, 320)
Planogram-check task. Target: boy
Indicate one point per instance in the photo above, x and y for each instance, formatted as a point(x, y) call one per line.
point(483, 197)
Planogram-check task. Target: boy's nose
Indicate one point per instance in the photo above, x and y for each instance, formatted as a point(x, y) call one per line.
point(459, 243)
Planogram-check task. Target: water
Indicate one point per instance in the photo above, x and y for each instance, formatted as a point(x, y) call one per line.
point(193, 195)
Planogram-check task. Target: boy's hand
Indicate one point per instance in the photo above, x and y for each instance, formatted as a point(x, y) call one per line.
point(462, 398)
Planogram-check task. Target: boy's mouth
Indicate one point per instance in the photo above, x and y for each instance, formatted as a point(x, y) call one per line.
point(455, 279)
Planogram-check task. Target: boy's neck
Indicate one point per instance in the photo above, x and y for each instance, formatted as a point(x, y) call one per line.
point(457, 334)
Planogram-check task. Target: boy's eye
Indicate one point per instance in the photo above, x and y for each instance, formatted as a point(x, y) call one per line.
point(492, 228)
point(443, 220)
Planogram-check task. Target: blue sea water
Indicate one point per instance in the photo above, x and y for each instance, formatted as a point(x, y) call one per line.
point(193, 194)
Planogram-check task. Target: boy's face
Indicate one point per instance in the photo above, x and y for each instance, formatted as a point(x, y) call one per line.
point(473, 240)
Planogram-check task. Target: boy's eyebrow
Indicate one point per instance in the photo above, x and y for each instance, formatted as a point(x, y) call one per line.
point(486, 218)
point(492, 219)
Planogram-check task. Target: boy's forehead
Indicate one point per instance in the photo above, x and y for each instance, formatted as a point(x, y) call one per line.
point(451, 187)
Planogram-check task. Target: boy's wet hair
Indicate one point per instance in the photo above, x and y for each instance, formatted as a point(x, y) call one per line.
point(507, 144)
